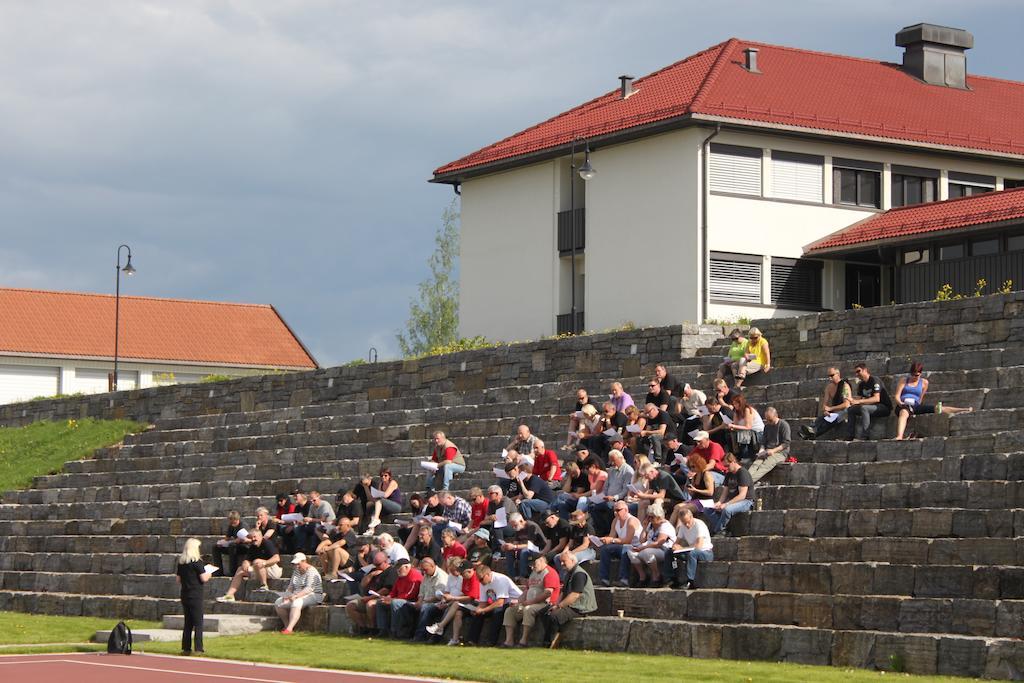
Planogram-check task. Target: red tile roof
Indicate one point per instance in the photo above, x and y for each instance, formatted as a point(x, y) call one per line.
point(906, 221)
point(200, 332)
point(809, 90)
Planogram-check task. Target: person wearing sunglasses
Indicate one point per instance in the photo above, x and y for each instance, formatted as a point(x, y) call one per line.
point(832, 409)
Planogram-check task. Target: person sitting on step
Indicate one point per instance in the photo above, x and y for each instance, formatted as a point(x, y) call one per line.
point(362, 611)
point(337, 548)
point(774, 445)
point(652, 436)
point(305, 589)
point(463, 589)
point(578, 599)
point(736, 497)
point(910, 400)
point(625, 530)
point(395, 551)
point(450, 546)
point(424, 547)
point(657, 538)
point(693, 545)
point(543, 589)
point(757, 357)
point(747, 429)
point(265, 523)
point(449, 459)
point(522, 442)
point(226, 550)
point(737, 348)
point(388, 499)
point(577, 416)
point(620, 400)
point(497, 592)
point(545, 464)
point(871, 401)
point(391, 607)
point(832, 409)
point(263, 560)
point(701, 487)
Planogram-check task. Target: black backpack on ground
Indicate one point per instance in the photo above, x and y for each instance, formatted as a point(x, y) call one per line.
point(120, 640)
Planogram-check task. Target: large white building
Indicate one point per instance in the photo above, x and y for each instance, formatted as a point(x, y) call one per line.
point(63, 342)
point(712, 177)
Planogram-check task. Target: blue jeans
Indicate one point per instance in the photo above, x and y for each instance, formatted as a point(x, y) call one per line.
point(429, 614)
point(444, 475)
point(386, 615)
point(716, 477)
point(565, 504)
point(608, 552)
point(719, 519)
point(517, 562)
point(531, 506)
point(858, 419)
point(691, 559)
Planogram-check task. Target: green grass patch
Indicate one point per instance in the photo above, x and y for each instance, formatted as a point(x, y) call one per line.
point(510, 666)
point(17, 628)
point(43, 447)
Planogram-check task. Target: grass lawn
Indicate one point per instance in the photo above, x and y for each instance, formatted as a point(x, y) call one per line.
point(43, 447)
point(25, 629)
point(505, 666)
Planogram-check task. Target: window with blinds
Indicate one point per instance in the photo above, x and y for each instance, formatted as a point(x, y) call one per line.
point(797, 176)
point(735, 169)
point(735, 278)
point(796, 283)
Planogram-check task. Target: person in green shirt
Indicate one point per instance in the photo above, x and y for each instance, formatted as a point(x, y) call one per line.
point(737, 347)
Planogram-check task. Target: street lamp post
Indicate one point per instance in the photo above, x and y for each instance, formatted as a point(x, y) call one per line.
point(129, 270)
point(586, 172)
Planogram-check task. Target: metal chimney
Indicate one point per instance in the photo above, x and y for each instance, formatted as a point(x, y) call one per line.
point(936, 54)
point(626, 86)
point(750, 60)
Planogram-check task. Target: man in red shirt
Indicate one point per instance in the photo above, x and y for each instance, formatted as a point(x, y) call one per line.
point(545, 463)
point(712, 452)
point(405, 590)
point(449, 461)
point(543, 589)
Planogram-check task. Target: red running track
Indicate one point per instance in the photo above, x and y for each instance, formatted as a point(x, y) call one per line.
point(103, 668)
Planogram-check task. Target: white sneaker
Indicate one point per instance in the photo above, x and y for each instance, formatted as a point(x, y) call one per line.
point(453, 641)
point(226, 598)
point(435, 629)
point(373, 525)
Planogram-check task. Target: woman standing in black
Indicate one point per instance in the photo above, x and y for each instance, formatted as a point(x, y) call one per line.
point(192, 575)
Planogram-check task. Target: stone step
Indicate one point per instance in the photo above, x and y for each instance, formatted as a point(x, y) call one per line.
point(982, 466)
point(917, 653)
point(979, 495)
point(225, 624)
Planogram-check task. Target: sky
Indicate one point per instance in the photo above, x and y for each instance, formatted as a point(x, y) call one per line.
point(278, 151)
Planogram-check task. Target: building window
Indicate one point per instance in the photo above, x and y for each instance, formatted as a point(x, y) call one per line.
point(985, 247)
point(1011, 183)
point(911, 256)
point(856, 183)
point(914, 185)
point(735, 169)
point(735, 278)
point(969, 184)
point(951, 251)
point(1015, 243)
point(796, 283)
point(797, 176)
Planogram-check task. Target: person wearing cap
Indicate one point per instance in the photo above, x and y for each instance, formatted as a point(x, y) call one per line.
point(713, 454)
point(479, 551)
point(229, 546)
point(305, 588)
point(542, 591)
point(405, 591)
point(426, 610)
point(757, 357)
point(556, 534)
point(262, 560)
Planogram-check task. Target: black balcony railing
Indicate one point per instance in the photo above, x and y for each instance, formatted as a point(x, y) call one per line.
point(921, 282)
point(563, 323)
point(565, 231)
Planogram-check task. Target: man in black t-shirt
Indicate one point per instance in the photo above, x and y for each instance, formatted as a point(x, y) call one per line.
point(336, 547)
point(380, 579)
point(424, 547)
point(536, 498)
point(870, 401)
point(349, 505)
point(556, 534)
point(479, 550)
point(667, 381)
point(657, 395)
point(652, 436)
point(228, 547)
point(262, 561)
point(737, 496)
point(517, 549)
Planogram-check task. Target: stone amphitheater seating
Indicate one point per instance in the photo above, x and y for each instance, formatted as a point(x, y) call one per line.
point(878, 554)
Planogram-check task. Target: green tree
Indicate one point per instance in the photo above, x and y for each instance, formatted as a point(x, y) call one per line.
point(434, 315)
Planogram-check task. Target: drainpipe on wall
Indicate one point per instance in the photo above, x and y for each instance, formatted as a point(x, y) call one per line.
point(705, 193)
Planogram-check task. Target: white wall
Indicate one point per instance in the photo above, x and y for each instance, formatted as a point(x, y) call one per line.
point(508, 260)
point(642, 226)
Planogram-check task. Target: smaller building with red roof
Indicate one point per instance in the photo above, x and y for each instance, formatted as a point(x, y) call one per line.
point(703, 183)
point(63, 342)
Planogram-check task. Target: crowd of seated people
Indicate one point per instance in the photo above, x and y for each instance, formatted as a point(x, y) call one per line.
point(644, 486)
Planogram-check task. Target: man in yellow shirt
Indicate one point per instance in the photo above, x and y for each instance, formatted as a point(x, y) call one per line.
point(758, 357)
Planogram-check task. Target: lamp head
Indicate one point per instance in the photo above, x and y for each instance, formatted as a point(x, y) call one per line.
point(129, 269)
point(587, 172)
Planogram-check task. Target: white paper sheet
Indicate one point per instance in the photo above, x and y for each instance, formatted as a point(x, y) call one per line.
point(242, 534)
point(595, 541)
point(633, 429)
point(500, 473)
point(293, 517)
point(725, 418)
point(831, 417)
point(500, 518)
point(428, 465)
point(377, 493)
point(210, 569)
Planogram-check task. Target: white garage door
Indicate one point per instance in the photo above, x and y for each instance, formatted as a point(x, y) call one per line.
point(22, 382)
point(94, 380)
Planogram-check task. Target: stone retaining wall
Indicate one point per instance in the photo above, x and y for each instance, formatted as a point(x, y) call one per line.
point(613, 354)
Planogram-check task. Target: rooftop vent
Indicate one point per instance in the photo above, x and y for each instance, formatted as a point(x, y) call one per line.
point(626, 86)
point(936, 54)
point(750, 60)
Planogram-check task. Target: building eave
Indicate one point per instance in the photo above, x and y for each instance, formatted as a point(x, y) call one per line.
point(902, 240)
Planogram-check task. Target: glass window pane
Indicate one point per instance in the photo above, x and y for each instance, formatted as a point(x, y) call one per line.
point(915, 256)
point(847, 184)
point(929, 189)
point(984, 247)
point(1010, 183)
point(951, 251)
point(1015, 242)
point(867, 186)
point(897, 190)
point(912, 187)
point(957, 190)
